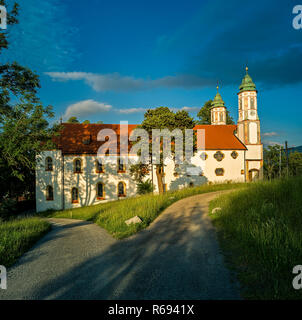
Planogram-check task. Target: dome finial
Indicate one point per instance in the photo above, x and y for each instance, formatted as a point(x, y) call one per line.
point(217, 86)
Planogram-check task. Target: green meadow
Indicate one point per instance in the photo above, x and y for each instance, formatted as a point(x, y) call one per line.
point(112, 215)
point(260, 232)
point(17, 236)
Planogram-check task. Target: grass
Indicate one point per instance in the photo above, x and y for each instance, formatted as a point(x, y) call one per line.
point(260, 232)
point(17, 236)
point(112, 215)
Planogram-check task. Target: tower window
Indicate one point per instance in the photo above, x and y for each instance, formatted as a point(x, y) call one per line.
point(252, 103)
point(219, 172)
point(221, 116)
point(100, 191)
point(49, 193)
point(121, 189)
point(246, 101)
point(75, 195)
point(77, 166)
point(48, 164)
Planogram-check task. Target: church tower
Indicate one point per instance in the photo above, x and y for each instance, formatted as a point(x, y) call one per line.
point(218, 110)
point(249, 127)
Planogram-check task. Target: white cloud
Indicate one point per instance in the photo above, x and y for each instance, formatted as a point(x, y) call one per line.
point(116, 82)
point(132, 110)
point(269, 134)
point(188, 109)
point(86, 107)
point(143, 110)
point(271, 143)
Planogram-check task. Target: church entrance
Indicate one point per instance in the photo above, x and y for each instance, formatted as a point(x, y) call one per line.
point(253, 175)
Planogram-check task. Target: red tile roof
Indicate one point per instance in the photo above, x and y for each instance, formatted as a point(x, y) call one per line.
point(79, 138)
point(221, 137)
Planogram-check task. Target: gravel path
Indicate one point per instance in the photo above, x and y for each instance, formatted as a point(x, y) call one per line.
point(177, 257)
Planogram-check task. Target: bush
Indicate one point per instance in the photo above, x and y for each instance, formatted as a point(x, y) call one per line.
point(144, 187)
point(8, 207)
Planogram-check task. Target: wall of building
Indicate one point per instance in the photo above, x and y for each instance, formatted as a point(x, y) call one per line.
point(49, 178)
point(197, 173)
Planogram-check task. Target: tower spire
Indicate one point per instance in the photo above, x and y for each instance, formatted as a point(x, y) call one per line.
point(218, 110)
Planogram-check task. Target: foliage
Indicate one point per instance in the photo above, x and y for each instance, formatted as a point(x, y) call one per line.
point(139, 171)
point(260, 233)
point(24, 129)
point(18, 236)
point(7, 207)
point(145, 187)
point(273, 167)
point(164, 118)
point(73, 120)
point(112, 215)
point(86, 122)
point(204, 114)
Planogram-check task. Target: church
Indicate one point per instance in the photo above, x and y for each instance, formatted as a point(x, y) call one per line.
point(71, 175)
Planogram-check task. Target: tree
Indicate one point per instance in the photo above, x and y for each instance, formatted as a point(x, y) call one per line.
point(100, 122)
point(73, 120)
point(295, 164)
point(86, 122)
point(162, 118)
point(271, 163)
point(24, 130)
point(204, 114)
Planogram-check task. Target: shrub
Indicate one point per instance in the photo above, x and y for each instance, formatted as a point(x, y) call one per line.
point(144, 187)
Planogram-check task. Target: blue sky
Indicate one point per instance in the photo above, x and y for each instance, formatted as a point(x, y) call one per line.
point(111, 60)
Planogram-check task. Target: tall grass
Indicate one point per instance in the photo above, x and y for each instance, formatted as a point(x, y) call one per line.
point(260, 231)
point(112, 215)
point(17, 236)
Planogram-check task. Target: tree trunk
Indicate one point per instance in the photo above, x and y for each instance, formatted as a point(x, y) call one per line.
point(159, 175)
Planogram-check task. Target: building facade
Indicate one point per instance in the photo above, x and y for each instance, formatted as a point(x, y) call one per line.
point(73, 175)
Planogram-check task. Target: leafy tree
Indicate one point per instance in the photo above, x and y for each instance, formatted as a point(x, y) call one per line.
point(73, 120)
point(204, 114)
point(100, 122)
point(162, 118)
point(295, 164)
point(86, 122)
point(271, 163)
point(24, 129)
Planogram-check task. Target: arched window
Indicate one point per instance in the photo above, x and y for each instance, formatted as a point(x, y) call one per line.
point(100, 193)
point(77, 166)
point(121, 168)
point(252, 103)
point(221, 117)
point(49, 193)
point(99, 167)
point(48, 164)
point(74, 195)
point(121, 189)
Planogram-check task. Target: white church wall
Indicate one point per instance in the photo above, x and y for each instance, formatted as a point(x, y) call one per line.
point(86, 182)
point(49, 178)
point(254, 152)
